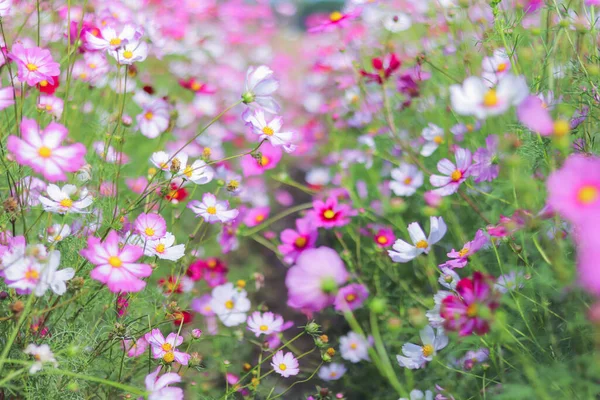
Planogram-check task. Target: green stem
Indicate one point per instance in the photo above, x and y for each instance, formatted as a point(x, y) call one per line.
point(15, 332)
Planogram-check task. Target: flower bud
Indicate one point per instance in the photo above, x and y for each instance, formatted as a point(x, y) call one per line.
point(312, 328)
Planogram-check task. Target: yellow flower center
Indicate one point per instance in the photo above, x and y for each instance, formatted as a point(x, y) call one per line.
point(408, 181)
point(332, 374)
point(83, 75)
point(92, 66)
point(212, 263)
point(353, 346)
point(490, 99)
point(32, 67)
point(335, 16)
point(167, 346)
point(58, 238)
point(169, 357)
point(45, 152)
point(588, 194)
point(329, 214)
point(188, 171)
point(427, 350)
point(267, 130)
point(469, 127)
point(206, 152)
point(422, 244)
point(300, 241)
point(264, 161)
point(211, 210)
point(196, 86)
point(48, 107)
point(229, 304)
point(350, 297)
point(160, 248)
point(127, 54)
point(463, 252)
point(149, 231)
point(561, 127)
point(438, 139)
point(282, 366)
point(149, 115)
point(67, 203)
point(44, 83)
point(32, 274)
point(115, 42)
point(502, 67)
point(115, 262)
point(382, 239)
point(259, 218)
point(456, 175)
point(263, 328)
point(472, 310)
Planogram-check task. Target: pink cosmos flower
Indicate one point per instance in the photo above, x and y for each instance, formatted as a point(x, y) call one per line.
point(535, 115)
point(461, 258)
point(468, 311)
point(51, 104)
point(166, 349)
point(574, 189)
point(485, 166)
point(351, 297)
point(116, 267)
point(269, 158)
point(154, 118)
point(34, 64)
point(508, 225)
point(588, 254)
point(135, 348)
point(213, 210)
point(329, 214)
point(334, 21)
point(7, 98)
point(314, 278)
point(454, 175)
point(384, 237)
point(294, 242)
point(256, 216)
point(158, 387)
point(109, 39)
point(42, 151)
point(150, 226)
point(383, 68)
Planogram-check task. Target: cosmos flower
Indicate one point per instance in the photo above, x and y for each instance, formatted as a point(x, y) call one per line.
point(313, 280)
point(330, 214)
point(165, 248)
point(116, 267)
point(459, 259)
point(109, 39)
point(6, 97)
point(406, 179)
point(335, 20)
point(383, 68)
point(264, 324)
point(350, 297)
point(230, 304)
point(135, 348)
point(256, 216)
point(212, 210)
point(166, 348)
point(269, 130)
point(51, 104)
point(535, 115)
point(34, 64)
point(354, 348)
point(42, 151)
point(485, 166)
point(42, 354)
point(434, 136)
point(495, 67)
point(453, 175)
point(150, 226)
point(384, 237)
point(294, 242)
point(404, 252)
point(286, 364)
point(51, 278)
point(62, 200)
point(332, 372)
point(259, 88)
point(158, 388)
point(416, 356)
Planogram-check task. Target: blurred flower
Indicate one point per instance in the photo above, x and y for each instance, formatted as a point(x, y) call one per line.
point(294, 242)
point(351, 297)
point(332, 372)
point(158, 387)
point(264, 324)
point(135, 348)
point(259, 88)
point(406, 179)
point(383, 68)
point(434, 136)
point(461, 258)
point(534, 115)
point(329, 214)
point(485, 166)
point(495, 67)
point(230, 304)
point(42, 354)
point(354, 347)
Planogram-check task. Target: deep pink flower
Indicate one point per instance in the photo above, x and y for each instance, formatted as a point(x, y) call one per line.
point(383, 68)
point(350, 297)
point(294, 242)
point(508, 225)
point(256, 216)
point(116, 267)
point(269, 158)
point(469, 310)
point(384, 237)
point(329, 214)
point(213, 270)
point(461, 258)
point(313, 280)
point(453, 175)
point(34, 64)
point(574, 189)
point(42, 151)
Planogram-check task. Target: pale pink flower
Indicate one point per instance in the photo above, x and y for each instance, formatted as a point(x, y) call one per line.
point(154, 118)
point(453, 175)
point(34, 64)
point(158, 387)
point(166, 348)
point(213, 210)
point(150, 226)
point(286, 364)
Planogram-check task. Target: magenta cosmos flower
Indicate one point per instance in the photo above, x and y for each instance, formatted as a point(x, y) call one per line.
point(42, 151)
point(469, 310)
point(335, 20)
point(116, 267)
point(535, 115)
point(329, 214)
point(34, 64)
point(461, 258)
point(351, 297)
point(314, 279)
point(453, 175)
point(166, 348)
point(294, 242)
point(574, 190)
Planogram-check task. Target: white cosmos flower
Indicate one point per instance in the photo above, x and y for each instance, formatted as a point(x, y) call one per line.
point(404, 252)
point(475, 98)
point(433, 315)
point(110, 40)
point(495, 67)
point(53, 279)
point(434, 136)
point(406, 179)
point(213, 210)
point(269, 130)
point(42, 354)
point(416, 356)
point(264, 324)
point(164, 248)
point(154, 118)
point(59, 199)
point(332, 372)
point(448, 278)
point(354, 347)
point(58, 232)
point(198, 172)
point(259, 88)
point(230, 304)
point(416, 394)
point(396, 22)
point(130, 53)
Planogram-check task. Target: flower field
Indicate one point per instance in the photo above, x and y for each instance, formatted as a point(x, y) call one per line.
point(253, 199)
